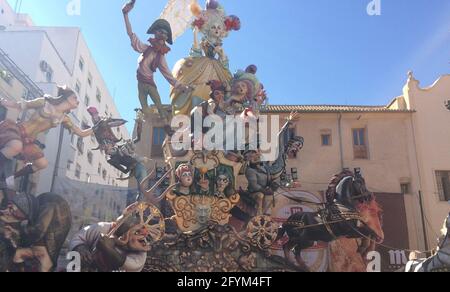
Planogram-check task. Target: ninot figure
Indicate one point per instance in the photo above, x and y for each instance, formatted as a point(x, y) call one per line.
point(103, 129)
point(152, 58)
point(19, 139)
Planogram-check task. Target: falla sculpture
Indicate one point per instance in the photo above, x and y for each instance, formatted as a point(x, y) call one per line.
point(216, 213)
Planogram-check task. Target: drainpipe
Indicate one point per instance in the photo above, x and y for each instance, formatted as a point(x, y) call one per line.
point(341, 148)
point(419, 173)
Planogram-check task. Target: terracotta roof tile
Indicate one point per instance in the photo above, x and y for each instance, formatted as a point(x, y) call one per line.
point(331, 109)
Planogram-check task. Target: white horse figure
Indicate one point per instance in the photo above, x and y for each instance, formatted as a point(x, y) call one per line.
point(440, 262)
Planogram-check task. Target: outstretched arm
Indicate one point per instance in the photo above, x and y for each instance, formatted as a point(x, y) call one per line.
point(24, 104)
point(67, 123)
point(82, 133)
point(9, 104)
point(126, 9)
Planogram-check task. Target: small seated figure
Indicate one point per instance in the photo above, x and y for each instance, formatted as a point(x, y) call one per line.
point(224, 187)
point(244, 90)
point(185, 178)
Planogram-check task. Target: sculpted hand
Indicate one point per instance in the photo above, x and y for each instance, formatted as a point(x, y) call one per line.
point(293, 117)
point(128, 7)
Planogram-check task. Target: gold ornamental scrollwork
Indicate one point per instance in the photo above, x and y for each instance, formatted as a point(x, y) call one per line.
point(194, 212)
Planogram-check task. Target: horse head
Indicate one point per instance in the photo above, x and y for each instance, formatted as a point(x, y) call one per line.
point(352, 191)
point(372, 215)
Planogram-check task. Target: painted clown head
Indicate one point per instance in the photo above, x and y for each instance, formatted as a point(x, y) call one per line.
point(185, 175)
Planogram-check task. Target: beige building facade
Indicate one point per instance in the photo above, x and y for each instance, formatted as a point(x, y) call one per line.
point(403, 150)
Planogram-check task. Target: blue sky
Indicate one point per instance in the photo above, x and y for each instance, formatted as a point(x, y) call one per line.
point(307, 51)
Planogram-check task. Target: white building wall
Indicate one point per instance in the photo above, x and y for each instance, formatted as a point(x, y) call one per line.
point(62, 48)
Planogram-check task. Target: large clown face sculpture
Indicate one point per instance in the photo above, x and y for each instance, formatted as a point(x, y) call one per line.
point(138, 239)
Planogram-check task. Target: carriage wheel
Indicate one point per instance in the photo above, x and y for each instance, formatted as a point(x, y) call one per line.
point(262, 232)
point(152, 219)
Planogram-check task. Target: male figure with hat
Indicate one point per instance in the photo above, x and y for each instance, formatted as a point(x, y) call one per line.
point(152, 58)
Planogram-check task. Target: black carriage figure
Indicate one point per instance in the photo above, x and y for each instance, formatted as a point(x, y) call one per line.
point(350, 211)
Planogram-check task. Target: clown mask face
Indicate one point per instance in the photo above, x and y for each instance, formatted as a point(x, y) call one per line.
point(222, 183)
point(219, 95)
point(294, 148)
point(139, 239)
point(186, 179)
point(240, 88)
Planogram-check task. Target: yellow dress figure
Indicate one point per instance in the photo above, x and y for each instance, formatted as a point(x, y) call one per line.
point(207, 60)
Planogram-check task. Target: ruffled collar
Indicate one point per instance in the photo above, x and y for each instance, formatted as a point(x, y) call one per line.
point(157, 47)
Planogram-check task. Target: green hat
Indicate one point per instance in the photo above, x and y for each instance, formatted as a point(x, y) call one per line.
point(161, 24)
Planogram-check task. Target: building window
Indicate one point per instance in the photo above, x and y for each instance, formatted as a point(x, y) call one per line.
point(87, 100)
point(159, 135)
point(326, 139)
point(89, 80)
point(49, 76)
point(90, 157)
point(360, 144)
point(69, 164)
point(81, 63)
point(443, 184)
point(78, 171)
point(78, 87)
point(88, 178)
point(99, 169)
point(72, 139)
point(406, 188)
point(104, 174)
point(80, 145)
point(98, 95)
